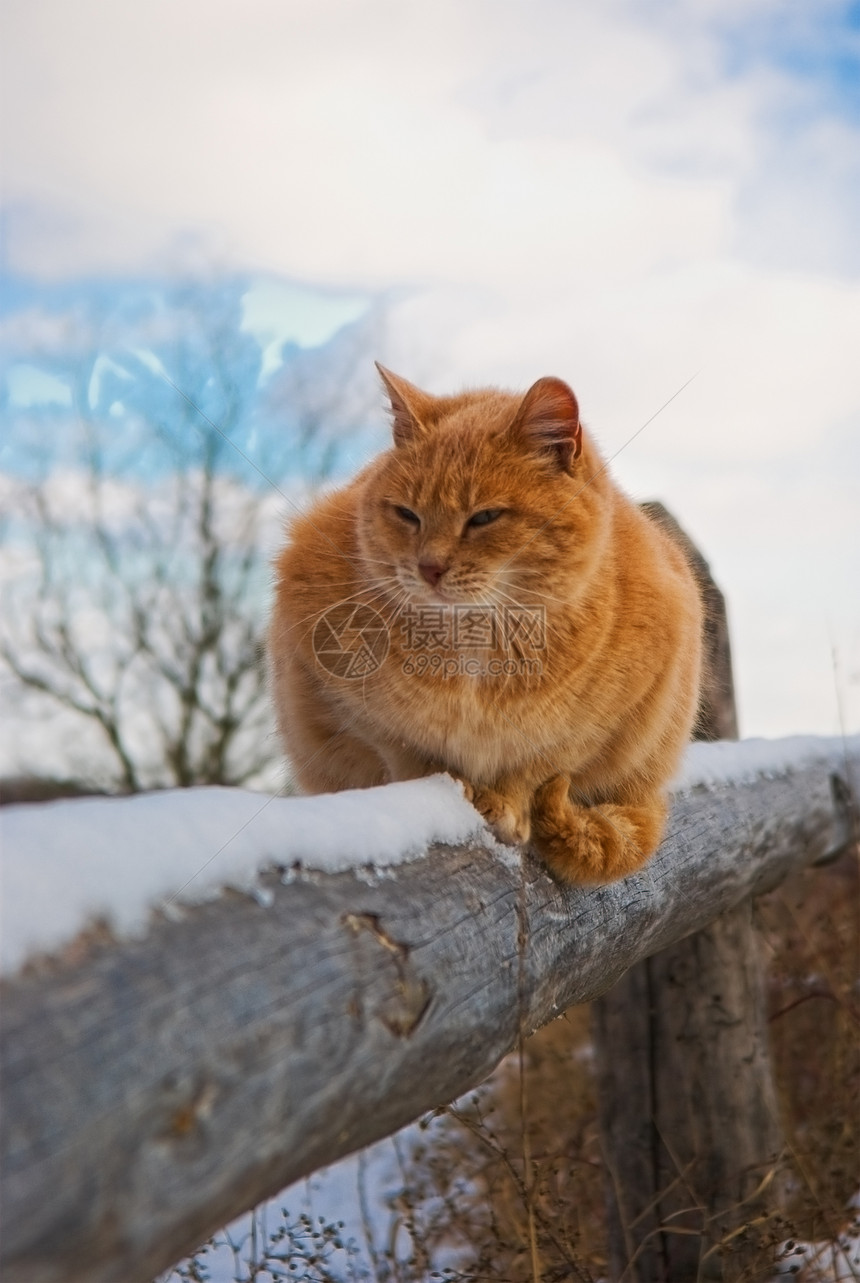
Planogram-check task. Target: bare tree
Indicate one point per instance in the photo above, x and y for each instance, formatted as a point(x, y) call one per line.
point(137, 602)
point(143, 618)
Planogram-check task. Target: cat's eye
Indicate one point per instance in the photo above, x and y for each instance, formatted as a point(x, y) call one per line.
point(485, 517)
point(408, 515)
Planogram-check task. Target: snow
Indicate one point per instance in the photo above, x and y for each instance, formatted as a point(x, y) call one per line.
point(358, 1193)
point(836, 1261)
point(67, 864)
point(364, 1193)
point(741, 761)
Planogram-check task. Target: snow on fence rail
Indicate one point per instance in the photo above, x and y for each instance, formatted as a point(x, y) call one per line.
point(157, 1082)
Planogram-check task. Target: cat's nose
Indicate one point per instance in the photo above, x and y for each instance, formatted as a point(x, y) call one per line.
point(431, 571)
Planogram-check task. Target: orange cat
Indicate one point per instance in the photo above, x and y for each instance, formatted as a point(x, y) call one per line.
point(482, 599)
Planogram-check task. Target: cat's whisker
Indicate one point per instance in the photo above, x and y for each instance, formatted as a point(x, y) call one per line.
point(370, 587)
point(546, 596)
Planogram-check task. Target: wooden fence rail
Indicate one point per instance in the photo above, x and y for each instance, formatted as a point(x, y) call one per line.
point(154, 1089)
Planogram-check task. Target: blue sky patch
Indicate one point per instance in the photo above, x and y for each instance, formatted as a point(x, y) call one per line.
point(817, 44)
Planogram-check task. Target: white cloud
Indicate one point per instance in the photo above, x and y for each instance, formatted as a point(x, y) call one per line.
point(368, 145)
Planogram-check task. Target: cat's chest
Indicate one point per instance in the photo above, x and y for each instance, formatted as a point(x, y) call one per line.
point(477, 725)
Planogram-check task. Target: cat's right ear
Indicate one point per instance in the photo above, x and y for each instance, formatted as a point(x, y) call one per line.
point(410, 407)
point(548, 419)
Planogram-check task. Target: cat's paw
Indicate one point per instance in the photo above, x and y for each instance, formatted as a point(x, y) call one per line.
point(509, 822)
point(552, 797)
point(593, 844)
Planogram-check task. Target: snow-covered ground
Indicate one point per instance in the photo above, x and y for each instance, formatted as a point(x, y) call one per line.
point(363, 1194)
point(67, 864)
point(354, 1195)
point(826, 1262)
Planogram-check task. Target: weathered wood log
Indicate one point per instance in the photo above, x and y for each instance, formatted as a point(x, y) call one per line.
point(154, 1089)
point(717, 718)
point(688, 1109)
point(689, 1122)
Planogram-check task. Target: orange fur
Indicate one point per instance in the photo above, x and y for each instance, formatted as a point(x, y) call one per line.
point(567, 744)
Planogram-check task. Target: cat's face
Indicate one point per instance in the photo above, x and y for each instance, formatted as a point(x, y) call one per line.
point(479, 501)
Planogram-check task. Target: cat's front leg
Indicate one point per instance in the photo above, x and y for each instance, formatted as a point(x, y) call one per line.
point(506, 806)
point(406, 763)
point(594, 844)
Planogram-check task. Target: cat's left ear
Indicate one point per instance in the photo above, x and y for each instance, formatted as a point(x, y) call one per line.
point(548, 420)
point(411, 409)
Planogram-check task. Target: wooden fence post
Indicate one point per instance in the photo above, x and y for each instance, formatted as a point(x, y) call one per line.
point(689, 1123)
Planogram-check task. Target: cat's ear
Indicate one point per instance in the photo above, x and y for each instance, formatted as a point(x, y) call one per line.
point(411, 409)
point(548, 420)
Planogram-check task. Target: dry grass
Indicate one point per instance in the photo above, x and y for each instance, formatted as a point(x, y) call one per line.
point(499, 1215)
point(476, 1196)
point(811, 929)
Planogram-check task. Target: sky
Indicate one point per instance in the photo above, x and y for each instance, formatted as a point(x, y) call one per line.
point(656, 200)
